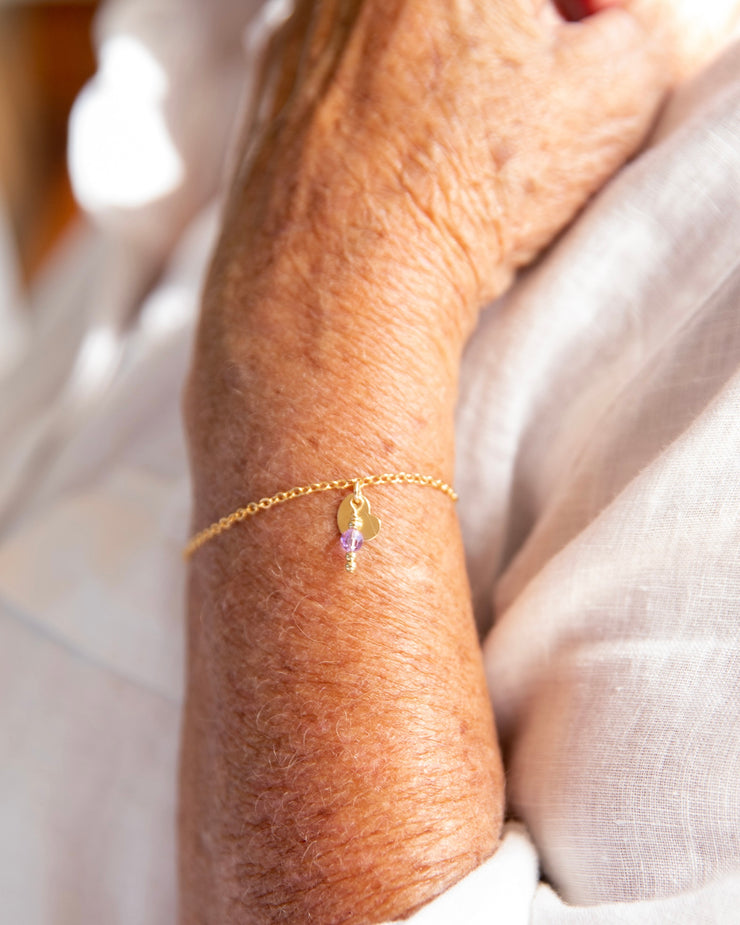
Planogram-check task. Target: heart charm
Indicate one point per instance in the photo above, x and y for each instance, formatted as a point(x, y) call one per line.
point(370, 523)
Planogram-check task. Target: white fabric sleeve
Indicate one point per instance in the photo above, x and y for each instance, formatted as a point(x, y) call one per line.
point(500, 890)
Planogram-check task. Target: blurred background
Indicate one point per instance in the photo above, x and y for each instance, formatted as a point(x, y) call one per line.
point(46, 56)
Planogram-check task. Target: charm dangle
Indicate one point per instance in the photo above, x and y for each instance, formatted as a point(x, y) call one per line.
point(356, 525)
point(354, 512)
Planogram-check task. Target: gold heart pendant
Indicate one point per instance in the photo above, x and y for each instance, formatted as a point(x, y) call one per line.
point(370, 523)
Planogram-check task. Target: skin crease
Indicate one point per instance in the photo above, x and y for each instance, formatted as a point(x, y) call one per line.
point(339, 762)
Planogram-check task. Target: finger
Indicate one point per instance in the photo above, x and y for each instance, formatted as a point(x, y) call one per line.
point(287, 48)
point(276, 65)
point(613, 77)
point(330, 23)
point(302, 52)
point(606, 82)
point(694, 31)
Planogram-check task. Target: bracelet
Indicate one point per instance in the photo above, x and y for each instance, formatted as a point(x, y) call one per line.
point(356, 523)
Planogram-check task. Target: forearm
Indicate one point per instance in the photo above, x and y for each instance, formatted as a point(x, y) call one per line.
point(339, 754)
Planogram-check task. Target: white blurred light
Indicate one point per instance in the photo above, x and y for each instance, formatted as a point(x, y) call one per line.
point(126, 62)
point(121, 154)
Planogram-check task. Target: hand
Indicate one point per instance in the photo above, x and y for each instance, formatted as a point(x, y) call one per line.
point(454, 139)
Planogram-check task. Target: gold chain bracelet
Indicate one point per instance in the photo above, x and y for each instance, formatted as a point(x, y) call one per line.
point(356, 523)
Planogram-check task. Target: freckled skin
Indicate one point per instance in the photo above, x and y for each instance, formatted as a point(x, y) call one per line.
point(339, 762)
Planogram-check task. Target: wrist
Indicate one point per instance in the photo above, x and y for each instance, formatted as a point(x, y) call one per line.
point(297, 380)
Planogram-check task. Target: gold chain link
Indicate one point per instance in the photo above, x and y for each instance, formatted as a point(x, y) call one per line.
point(264, 504)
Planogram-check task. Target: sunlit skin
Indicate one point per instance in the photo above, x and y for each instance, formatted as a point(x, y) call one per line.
point(339, 762)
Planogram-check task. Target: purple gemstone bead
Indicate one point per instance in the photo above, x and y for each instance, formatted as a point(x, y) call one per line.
point(351, 540)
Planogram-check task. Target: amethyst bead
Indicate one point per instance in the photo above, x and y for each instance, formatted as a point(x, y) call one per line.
point(351, 540)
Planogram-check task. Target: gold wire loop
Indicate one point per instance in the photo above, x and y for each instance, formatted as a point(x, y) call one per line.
point(356, 484)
